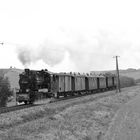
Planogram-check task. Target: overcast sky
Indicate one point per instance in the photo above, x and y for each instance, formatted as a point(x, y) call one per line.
point(69, 35)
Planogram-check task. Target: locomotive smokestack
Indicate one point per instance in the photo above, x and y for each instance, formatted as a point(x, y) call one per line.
point(27, 70)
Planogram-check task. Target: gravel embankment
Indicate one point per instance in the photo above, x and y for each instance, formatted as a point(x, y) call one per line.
point(85, 118)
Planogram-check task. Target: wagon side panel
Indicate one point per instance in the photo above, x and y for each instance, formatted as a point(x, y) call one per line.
point(68, 83)
point(61, 83)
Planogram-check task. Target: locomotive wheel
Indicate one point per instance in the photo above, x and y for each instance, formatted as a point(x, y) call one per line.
point(72, 94)
point(79, 93)
point(65, 95)
point(30, 102)
point(57, 96)
point(32, 97)
point(25, 102)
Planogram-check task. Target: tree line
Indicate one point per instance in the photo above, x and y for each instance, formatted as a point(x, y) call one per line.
point(5, 91)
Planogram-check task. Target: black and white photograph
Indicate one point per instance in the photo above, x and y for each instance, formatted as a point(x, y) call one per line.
point(69, 70)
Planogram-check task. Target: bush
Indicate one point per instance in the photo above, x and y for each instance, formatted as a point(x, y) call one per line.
point(5, 91)
point(137, 80)
point(126, 81)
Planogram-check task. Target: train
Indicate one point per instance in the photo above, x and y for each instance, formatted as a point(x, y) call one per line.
point(39, 84)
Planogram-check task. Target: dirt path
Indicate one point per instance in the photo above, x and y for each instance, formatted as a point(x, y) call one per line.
point(126, 124)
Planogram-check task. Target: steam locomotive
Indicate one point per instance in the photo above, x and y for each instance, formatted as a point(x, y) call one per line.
point(35, 85)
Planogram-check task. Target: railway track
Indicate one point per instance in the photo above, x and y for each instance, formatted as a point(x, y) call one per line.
point(14, 108)
point(20, 107)
point(98, 94)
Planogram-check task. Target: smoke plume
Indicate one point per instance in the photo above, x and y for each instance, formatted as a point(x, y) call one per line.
point(24, 56)
point(86, 52)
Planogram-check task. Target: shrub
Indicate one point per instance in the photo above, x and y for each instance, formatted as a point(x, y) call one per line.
point(137, 80)
point(126, 81)
point(5, 91)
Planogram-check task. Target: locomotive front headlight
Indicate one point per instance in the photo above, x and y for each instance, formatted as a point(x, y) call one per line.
point(27, 90)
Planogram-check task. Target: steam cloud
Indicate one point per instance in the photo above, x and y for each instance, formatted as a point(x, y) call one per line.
point(24, 56)
point(85, 51)
point(50, 53)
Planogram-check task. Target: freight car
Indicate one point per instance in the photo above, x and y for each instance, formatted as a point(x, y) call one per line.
point(110, 81)
point(36, 85)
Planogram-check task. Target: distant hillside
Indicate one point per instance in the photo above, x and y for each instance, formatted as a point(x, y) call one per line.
point(133, 73)
point(3, 72)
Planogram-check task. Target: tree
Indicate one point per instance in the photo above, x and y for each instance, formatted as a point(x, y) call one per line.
point(127, 81)
point(5, 91)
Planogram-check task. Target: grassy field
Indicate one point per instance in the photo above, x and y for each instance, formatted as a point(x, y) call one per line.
point(82, 119)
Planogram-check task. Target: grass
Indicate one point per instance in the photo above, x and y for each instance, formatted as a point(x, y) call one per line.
point(80, 123)
point(85, 120)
